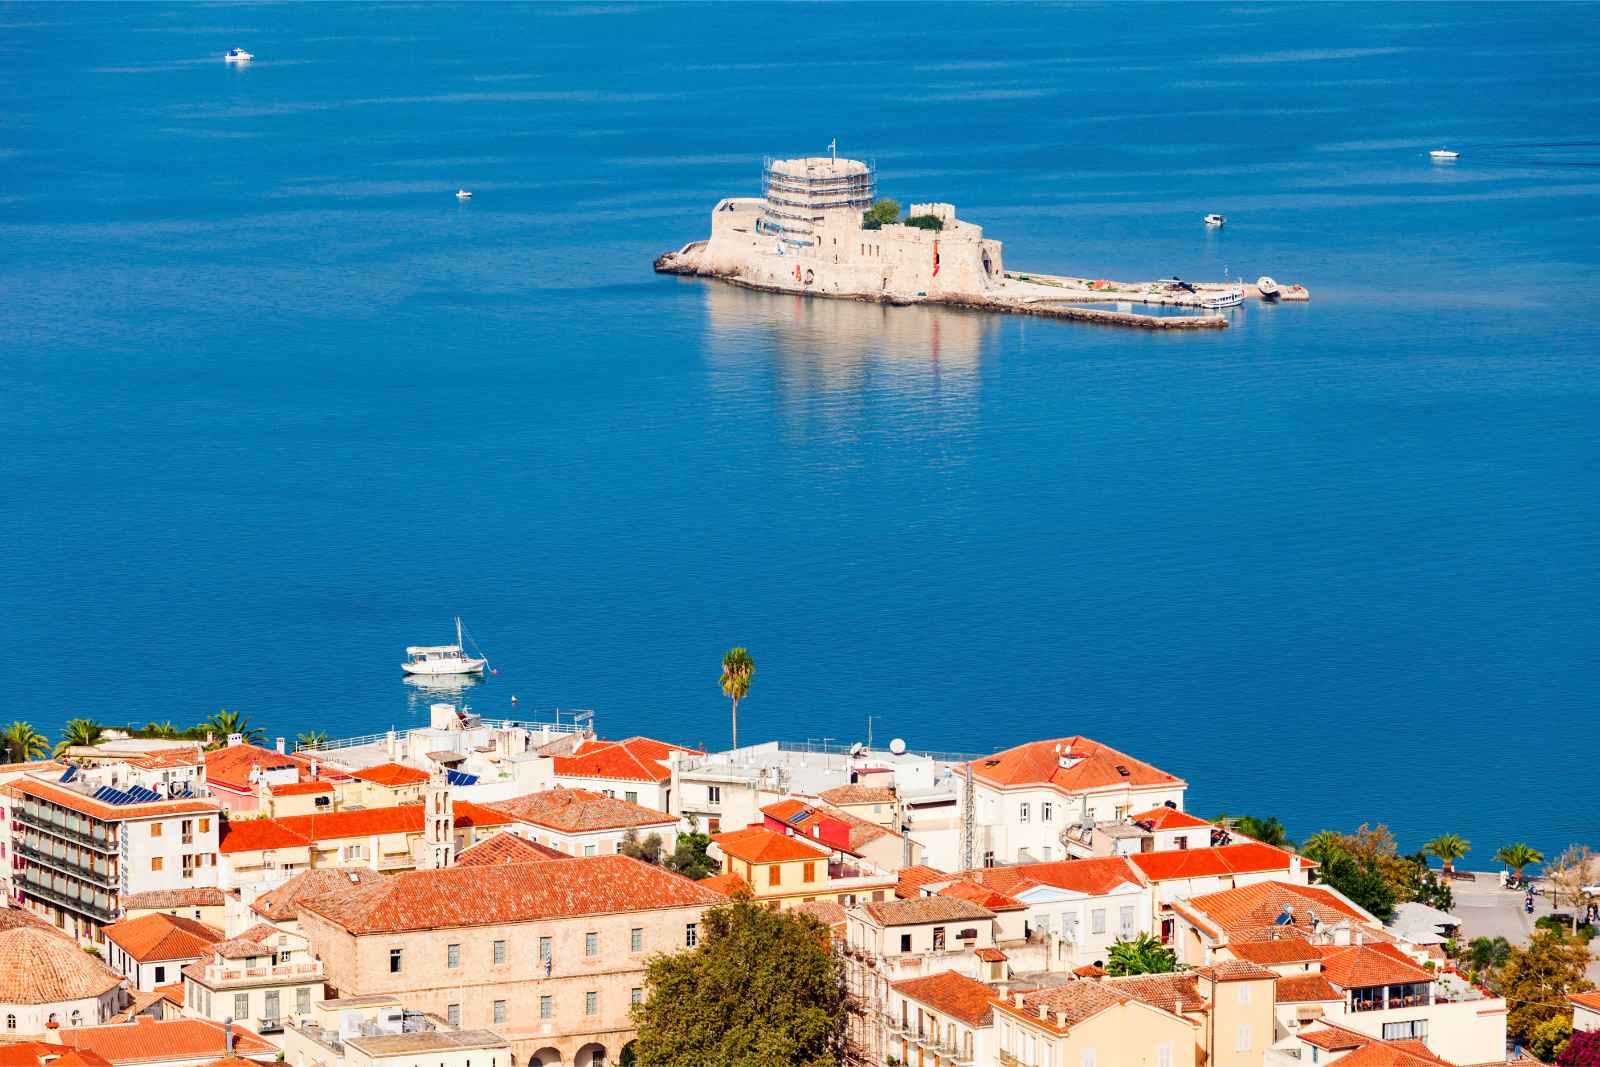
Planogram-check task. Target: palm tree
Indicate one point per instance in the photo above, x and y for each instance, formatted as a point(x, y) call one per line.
point(737, 669)
point(227, 722)
point(1268, 831)
point(1323, 845)
point(1449, 848)
point(1141, 955)
point(78, 733)
point(1518, 856)
point(22, 742)
point(161, 729)
point(312, 739)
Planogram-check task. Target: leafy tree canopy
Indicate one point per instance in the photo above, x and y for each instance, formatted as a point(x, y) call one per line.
point(762, 987)
point(1536, 980)
point(1144, 954)
point(883, 212)
point(689, 856)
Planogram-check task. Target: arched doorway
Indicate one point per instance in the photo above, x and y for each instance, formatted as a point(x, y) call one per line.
point(545, 1057)
point(592, 1055)
point(628, 1056)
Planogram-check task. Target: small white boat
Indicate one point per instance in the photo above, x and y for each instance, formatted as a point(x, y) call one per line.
point(1215, 220)
point(442, 659)
point(1443, 155)
point(237, 55)
point(1267, 287)
point(1231, 299)
point(462, 194)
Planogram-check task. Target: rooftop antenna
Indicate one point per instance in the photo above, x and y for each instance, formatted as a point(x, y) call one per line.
point(833, 150)
point(969, 820)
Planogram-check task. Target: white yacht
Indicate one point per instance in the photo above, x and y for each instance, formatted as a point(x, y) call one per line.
point(237, 55)
point(443, 659)
point(1215, 220)
point(1268, 288)
point(462, 194)
point(1443, 155)
point(1230, 299)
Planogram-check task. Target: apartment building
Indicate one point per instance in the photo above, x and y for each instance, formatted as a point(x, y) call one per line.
point(787, 870)
point(550, 955)
point(280, 906)
point(942, 1020)
point(1160, 829)
point(582, 822)
point(1183, 874)
point(848, 834)
point(1026, 797)
point(265, 979)
point(379, 1032)
point(86, 839)
point(242, 776)
point(153, 949)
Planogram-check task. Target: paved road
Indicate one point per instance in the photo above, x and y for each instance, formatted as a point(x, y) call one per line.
point(1486, 910)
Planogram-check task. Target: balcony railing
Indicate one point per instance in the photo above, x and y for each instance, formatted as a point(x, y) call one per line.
point(99, 874)
point(44, 891)
point(55, 828)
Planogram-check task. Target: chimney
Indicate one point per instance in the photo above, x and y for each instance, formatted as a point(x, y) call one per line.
point(316, 770)
point(1177, 1006)
point(235, 740)
point(227, 1036)
point(280, 746)
point(1017, 999)
point(1061, 1019)
point(1294, 863)
point(1361, 937)
point(1044, 1013)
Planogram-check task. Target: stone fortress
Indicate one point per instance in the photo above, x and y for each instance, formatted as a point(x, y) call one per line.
point(808, 234)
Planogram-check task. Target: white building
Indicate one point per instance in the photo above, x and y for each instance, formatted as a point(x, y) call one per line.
point(153, 949)
point(947, 1015)
point(376, 1031)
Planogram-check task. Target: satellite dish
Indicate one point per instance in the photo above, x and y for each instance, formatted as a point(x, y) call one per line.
point(857, 748)
point(898, 747)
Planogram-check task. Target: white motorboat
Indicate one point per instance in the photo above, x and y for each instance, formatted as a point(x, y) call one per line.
point(1443, 155)
point(1215, 220)
point(1267, 287)
point(1231, 299)
point(237, 55)
point(462, 194)
point(443, 659)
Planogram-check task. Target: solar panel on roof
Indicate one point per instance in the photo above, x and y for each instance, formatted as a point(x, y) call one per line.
point(141, 795)
point(69, 774)
point(111, 796)
point(800, 816)
point(460, 778)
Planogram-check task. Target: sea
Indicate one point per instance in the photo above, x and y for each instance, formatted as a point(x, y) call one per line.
point(274, 404)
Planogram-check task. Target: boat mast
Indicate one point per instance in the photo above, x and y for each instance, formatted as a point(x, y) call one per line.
point(459, 645)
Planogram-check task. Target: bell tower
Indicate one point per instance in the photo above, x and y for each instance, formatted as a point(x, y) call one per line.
point(438, 824)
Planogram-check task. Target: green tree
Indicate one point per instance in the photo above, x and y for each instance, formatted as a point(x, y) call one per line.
point(762, 987)
point(926, 222)
point(1268, 831)
point(1449, 848)
point(1488, 954)
point(1141, 955)
point(689, 856)
point(23, 743)
point(737, 670)
point(227, 722)
point(1536, 981)
point(79, 733)
point(312, 739)
point(1518, 856)
point(648, 849)
point(1550, 1038)
point(1324, 845)
point(1573, 871)
point(880, 214)
point(159, 729)
point(1361, 882)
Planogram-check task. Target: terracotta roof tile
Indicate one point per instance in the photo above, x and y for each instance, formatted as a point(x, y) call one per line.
point(1164, 991)
point(42, 966)
point(726, 884)
point(757, 844)
point(991, 955)
point(391, 774)
point(1590, 1000)
point(158, 936)
point(300, 789)
point(580, 811)
point(951, 994)
point(1299, 988)
point(1356, 966)
point(507, 847)
point(239, 948)
point(80, 1058)
point(188, 756)
point(254, 835)
point(1252, 857)
point(855, 793)
point(146, 1039)
point(982, 896)
point(637, 759)
point(1236, 971)
point(924, 910)
point(230, 766)
point(1092, 877)
point(172, 992)
point(1093, 766)
point(912, 879)
point(1165, 818)
point(282, 904)
point(829, 913)
point(521, 892)
point(1089, 970)
point(1077, 1001)
point(13, 918)
point(27, 1053)
point(1270, 953)
point(196, 897)
point(1250, 913)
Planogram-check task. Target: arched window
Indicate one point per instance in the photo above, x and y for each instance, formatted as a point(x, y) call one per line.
point(77, 1018)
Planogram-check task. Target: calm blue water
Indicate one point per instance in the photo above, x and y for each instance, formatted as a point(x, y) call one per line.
point(275, 405)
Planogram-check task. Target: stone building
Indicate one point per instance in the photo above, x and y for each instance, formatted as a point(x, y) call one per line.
point(549, 955)
point(47, 980)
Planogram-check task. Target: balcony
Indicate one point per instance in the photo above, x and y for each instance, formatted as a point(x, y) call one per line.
point(45, 891)
point(100, 842)
point(294, 971)
point(99, 874)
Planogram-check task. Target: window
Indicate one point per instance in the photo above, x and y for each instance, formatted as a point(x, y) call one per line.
point(452, 1014)
point(452, 955)
point(1089, 1058)
point(1411, 1030)
point(774, 874)
point(302, 1000)
point(11, 1022)
point(714, 794)
point(241, 1005)
point(938, 939)
point(1244, 992)
point(1164, 1054)
point(1022, 812)
point(631, 796)
point(271, 1011)
point(205, 826)
point(809, 872)
point(636, 995)
point(394, 961)
point(591, 1003)
point(905, 942)
point(499, 952)
point(544, 950)
point(1242, 1038)
point(161, 976)
point(1097, 921)
point(547, 1007)
point(155, 829)
point(499, 1011)
point(1125, 920)
point(589, 850)
point(591, 944)
point(189, 865)
point(155, 863)
point(636, 939)
point(187, 828)
point(1046, 811)
point(691, 935)
point(1182, 842)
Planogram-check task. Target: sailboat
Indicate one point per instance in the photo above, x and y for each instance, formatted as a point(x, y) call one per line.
point(443, 659)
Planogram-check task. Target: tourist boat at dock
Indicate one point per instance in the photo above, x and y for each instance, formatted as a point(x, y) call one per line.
point(237, 55)
point(1215, 220)
point(443, 659)
point(1267, 287)
point(1443, 155)
point(462, 194)
point(1231, 299)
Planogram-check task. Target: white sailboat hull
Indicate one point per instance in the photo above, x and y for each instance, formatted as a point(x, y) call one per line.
point(446, 666)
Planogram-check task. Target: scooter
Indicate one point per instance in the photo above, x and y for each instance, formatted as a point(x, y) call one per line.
point(1527, 905)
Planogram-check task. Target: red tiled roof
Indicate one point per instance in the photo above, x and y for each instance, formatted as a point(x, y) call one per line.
point(856, 793)
point(1271, 953)
point(230, 766)
point(579, 811)
point(1249, 858)
point(1076, 1001)
point(391, 774)
point(173, 992)
point(1250, 912)
point(195, 897)
point(80, 1058)
point(1164, 991)
point(912, 879)
point(519, 892)
point(79, 802)
point(1392, 1054)
point(282, 904)
point(991, 955)
point(1091, 877)
point(158, 936)
point(1590, 1000)
point(951, 994)
point(637, 759)
point(925, 910)
point(1236, 971)
point(799, 815)
point(982, 896)
point(1096, 766)
point(1165, 818)
point(1355, 966)
point(507, 847)
point(726, 884)
point(1299, 988)
point(757, 844)
point(26, 1053)
point(254, 835)
point(187, 756)
point(300, 789)
point(42, 966)
point(829, 913)
point(1089, 970)
point(146, 1039)
point(12, 918)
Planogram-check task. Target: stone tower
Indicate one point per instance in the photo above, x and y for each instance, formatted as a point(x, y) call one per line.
point(438, 824)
